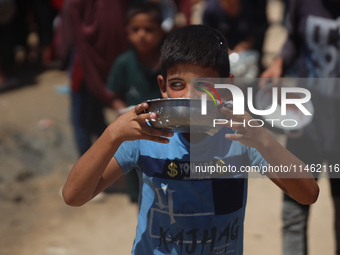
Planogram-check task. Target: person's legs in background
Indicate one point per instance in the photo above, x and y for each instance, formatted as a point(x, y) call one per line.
point(45, 15)
point(8, 35)
point(295, 215)
point(335, 191)
point(88, 121)
point(295, 218)
point(87, 118)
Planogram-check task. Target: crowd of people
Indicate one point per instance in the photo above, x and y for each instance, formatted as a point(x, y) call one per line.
point(26, 31)
point(112, 52)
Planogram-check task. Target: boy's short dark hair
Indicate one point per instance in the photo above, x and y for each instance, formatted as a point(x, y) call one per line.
point(151, 8)
point(198, 45)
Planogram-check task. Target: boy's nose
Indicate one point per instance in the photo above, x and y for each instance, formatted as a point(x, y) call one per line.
point(186, 93)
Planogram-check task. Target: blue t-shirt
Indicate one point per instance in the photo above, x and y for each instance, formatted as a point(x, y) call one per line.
point(183, 215)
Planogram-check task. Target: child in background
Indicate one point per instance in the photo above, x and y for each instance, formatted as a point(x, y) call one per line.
point(179, 215)
point(133, 76)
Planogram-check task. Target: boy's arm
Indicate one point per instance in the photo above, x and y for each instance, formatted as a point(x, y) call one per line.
point(301, 186)
point(97, 168)
point(93, 172)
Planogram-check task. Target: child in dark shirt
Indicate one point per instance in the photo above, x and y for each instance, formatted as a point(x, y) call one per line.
point(133, 77)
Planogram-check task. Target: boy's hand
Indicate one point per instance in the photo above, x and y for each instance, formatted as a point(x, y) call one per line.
point(252, 135)
point(133, 126)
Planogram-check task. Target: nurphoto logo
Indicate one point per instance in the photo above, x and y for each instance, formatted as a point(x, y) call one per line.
point(238, 104)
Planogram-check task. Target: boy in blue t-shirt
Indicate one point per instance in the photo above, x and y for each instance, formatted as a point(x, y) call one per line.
point(179, 214)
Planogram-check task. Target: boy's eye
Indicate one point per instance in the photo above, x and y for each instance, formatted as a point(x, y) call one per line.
point(177, 85)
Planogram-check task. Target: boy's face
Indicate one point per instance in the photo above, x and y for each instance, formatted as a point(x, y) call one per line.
point(177, 83)
point(144, 33)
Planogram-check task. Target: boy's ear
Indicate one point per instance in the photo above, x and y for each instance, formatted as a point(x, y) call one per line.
point(231, 78)
point(162, 86)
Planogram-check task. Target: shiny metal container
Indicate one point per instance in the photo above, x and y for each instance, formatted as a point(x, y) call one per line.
point(184, 115)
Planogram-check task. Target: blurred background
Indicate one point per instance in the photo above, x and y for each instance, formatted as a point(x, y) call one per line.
point(38, 148)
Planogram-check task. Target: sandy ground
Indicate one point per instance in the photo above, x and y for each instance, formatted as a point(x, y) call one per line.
point(37, 152)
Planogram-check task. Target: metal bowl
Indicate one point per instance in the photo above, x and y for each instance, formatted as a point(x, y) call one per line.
point(184, 115)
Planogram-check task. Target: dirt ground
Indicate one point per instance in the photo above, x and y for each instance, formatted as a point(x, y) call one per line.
point(36, 153)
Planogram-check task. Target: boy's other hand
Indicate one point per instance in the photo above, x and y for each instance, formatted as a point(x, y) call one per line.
point(133, 126)
point(246, 131)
